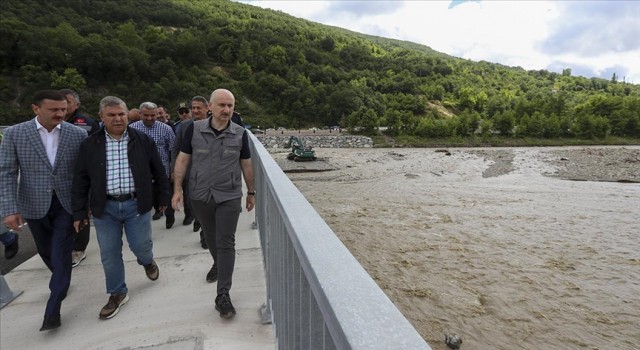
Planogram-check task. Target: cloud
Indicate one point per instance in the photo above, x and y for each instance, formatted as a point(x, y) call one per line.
point(593, 38)
point(358, 9)
point(594, 28)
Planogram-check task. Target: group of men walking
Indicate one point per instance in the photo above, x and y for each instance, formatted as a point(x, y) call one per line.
point(61, 168)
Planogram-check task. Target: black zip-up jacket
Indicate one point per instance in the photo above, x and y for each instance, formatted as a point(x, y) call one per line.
point(84, 122)
point(90, 178)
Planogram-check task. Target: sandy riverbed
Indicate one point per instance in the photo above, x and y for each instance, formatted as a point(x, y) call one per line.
point(494, 244)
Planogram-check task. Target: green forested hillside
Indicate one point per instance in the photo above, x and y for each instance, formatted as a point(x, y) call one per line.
point(289, 72)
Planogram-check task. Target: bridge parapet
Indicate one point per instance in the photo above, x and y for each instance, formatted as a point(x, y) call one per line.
point(318, 295)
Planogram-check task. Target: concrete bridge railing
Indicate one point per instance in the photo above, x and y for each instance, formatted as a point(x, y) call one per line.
point(318, 295)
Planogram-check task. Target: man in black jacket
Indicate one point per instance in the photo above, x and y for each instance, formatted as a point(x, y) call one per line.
point(73, 116)
point(113, 174)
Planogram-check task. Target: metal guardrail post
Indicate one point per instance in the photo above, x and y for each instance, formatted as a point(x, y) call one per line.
point(6, 295)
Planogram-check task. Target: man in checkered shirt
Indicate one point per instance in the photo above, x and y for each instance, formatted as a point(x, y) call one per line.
point(114, 174)
point(164, 137)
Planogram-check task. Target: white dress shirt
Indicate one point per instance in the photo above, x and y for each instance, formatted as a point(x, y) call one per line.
point(50, 140)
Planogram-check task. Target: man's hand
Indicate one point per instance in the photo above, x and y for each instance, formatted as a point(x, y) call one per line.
point(251, 202)
point(176, 201)
point(14, 221)
point(79, 224)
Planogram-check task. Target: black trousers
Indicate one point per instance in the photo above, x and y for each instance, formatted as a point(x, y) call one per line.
point(169, 212)
point(81, 239)
point(186, 199)
point(53, 235)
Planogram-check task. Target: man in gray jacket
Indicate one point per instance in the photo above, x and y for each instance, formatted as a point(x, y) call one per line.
point(42, 152)
point(219, 153)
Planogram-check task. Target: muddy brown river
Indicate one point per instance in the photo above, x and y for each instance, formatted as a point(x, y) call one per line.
point(495, 245)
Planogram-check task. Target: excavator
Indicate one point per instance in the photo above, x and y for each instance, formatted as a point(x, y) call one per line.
point(299, 152)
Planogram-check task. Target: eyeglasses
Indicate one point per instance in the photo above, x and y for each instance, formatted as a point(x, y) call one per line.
point(184, 111)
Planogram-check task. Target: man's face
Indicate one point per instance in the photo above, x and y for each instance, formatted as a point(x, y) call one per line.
point(222, 107)
point(134, 115)
point(72, 106)
point(198, 110)
point(162, 115)
point(50, 113)
point(184, 114)
point(115, 119)
point(149, 116)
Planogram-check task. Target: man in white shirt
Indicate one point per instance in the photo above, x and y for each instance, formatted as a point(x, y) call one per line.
point(43, 152)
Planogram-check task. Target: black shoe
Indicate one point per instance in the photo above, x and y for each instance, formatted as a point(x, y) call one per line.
point(170, 221)
point(187, 220)
point(212, 276)
point(157, 215)
point(51, 322)
point(203, 242)
point(224, 306)
point(12, 249)
point(196, 226)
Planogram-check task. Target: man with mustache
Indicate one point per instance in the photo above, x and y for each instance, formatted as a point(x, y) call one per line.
point(114, 174)
point(36, 158)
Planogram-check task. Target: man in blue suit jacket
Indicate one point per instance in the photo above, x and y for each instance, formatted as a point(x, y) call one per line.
point(36, 158)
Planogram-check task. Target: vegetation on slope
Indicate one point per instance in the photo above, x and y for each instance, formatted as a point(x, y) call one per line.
point(290, 72)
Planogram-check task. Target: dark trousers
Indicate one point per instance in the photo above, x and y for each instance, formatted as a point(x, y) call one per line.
point(81, 239)
point(156, 201)
point(219, 222)
point(53, 235)
point(186, 199)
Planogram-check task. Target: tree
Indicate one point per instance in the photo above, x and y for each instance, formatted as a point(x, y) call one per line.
point(344, 101)
point(504, 122)
point(432, 126)
point(364, 119)
point(486, 127)
point(470, 98)
point(590, 126)
point(128, 35)
point(468, 123)
point(327, 44)
point(70, 78)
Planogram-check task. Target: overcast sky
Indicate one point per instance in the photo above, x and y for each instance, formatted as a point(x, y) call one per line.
point(593, 38)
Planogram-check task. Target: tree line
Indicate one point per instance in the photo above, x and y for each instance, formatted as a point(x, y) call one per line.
point(290, 72)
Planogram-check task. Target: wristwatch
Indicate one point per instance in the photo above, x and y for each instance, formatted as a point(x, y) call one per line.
point(252, 193)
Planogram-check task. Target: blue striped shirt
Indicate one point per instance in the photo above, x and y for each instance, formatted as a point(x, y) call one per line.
point(119, 176)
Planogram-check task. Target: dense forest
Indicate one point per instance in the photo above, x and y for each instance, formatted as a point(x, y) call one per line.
point(290, 72)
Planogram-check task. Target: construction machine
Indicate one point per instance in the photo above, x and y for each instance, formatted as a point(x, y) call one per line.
point(299, 152)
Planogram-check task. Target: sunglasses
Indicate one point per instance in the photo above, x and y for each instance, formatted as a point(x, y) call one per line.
point(184, 111)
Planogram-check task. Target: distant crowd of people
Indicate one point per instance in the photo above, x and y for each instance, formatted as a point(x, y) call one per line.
point(62, 170)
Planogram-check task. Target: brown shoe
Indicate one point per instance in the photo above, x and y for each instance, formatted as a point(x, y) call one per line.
point(113, 306)
point(152, 270)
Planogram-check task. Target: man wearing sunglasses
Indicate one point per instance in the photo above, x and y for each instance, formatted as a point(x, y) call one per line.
point(184, 113)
